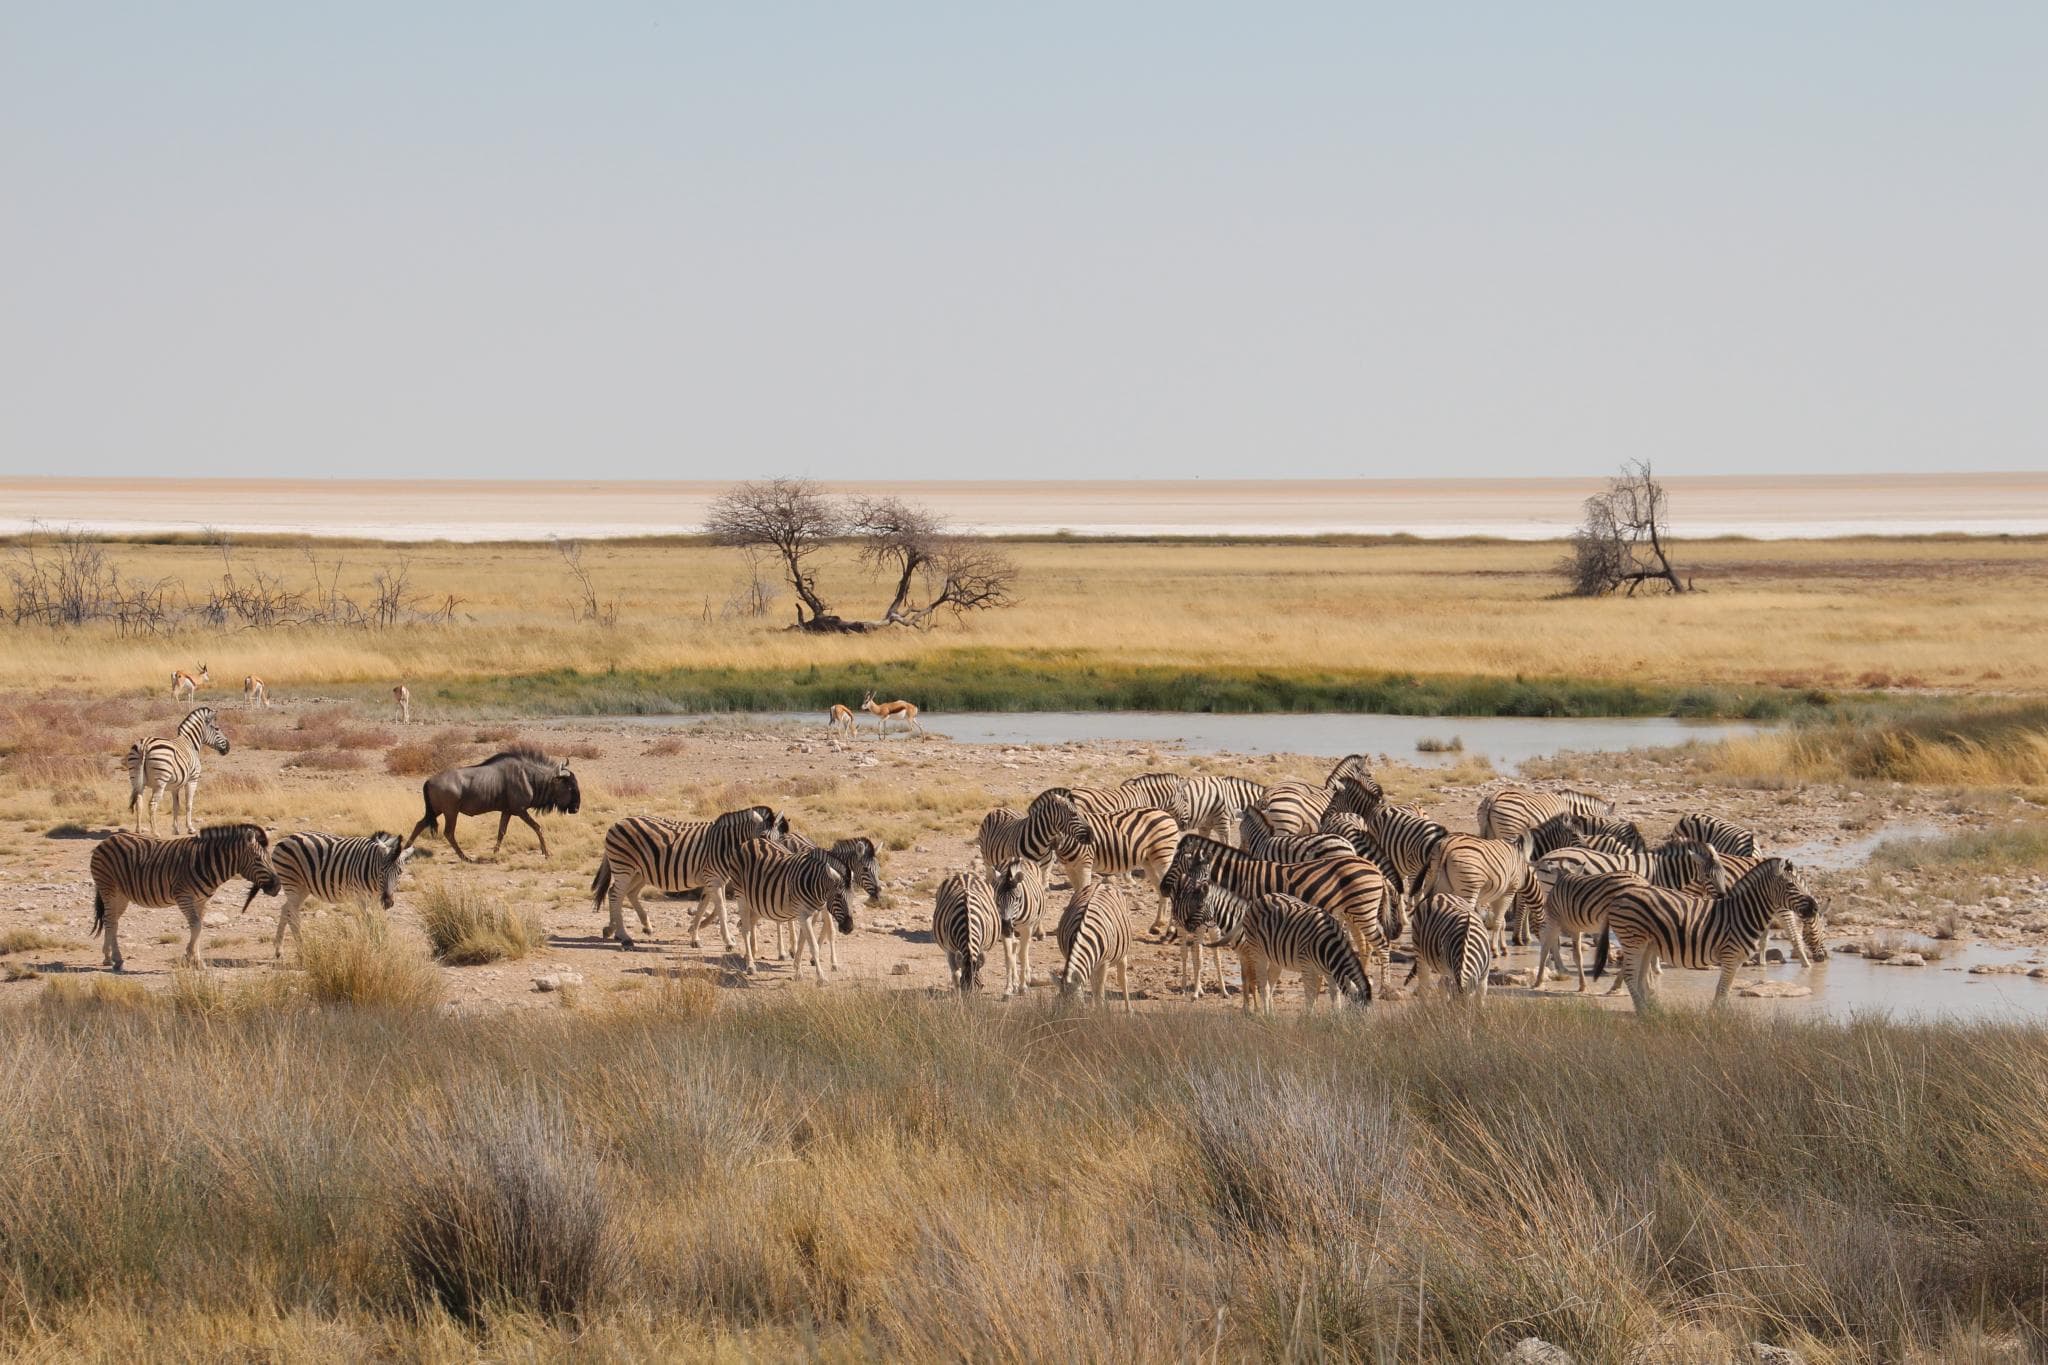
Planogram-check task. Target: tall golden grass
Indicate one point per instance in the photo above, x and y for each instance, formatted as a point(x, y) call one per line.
point(1836, 614)
point(2003, 744)
point(869, 1175)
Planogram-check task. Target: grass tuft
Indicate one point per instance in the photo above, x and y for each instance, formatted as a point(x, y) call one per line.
point(351, 957)
point(467, 928)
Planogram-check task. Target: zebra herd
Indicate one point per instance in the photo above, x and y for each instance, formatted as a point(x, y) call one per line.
point(1325, 880)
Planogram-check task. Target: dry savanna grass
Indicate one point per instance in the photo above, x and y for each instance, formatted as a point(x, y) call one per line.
point(1840, 614)
point(466, 926)
point(869, 1175)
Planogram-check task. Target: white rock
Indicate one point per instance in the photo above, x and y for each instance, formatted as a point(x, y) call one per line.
point(1766, 1354)
point(1535, 1351)
point(1906, 960)
point(1998, 969)
point(1772, 990)
point(555, 981)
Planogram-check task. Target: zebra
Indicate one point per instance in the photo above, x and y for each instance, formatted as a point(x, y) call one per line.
point(1451, 941)
point(965, 923)
point(643, 852)
point(1210, 805)
point(1141, 841)
point(776, 884)
point(860, 862)
point(1094, 931)
point(1257, 838)
point(157, 764)
point(186, 685)
point(1803, 933)
point(1204, 913)
point(1020, 904)
point(1275, 933)
point(1152, 789)
point(1489, 873)
point(1712, 829)
point(255, 692)
point(333, 869)
point(1577, 884)
point(141, 869)
point(1050, 828)
point(1352, 890)
point(1506, 812)
point(1700, 932)
point(1676, 865)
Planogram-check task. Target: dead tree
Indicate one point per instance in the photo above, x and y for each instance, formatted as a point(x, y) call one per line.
point(1620, 544)
point(793, 519)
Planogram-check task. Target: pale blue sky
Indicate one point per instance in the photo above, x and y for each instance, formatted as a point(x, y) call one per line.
point(1048, 240)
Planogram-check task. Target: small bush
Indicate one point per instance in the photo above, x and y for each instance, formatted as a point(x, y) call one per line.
point(503, 1213)
point(425, 757)
point(466, 928)
point(25, 941)
point(351, 958)
point(668, 746)
point(1430, 744)
point(330, 760)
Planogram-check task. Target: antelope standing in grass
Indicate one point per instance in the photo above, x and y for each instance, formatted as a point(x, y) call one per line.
point(841, 720)
point(254, 693)
point(885, 711)
point(402, 695)
point(184, 685)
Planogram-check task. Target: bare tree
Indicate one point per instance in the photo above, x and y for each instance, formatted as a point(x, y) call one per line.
point(913, 545)
point(1620, 544)
point(794, 519)
point(590, 608)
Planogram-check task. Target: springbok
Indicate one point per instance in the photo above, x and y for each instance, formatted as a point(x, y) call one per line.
point(184, 684)
point(885, 711)
point(254, 693)
point(403, 696)
point(841, 720)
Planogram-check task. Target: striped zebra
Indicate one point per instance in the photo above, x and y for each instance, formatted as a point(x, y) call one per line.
point(1049, 830)
point(1725, 835)
point(1152, 789)
point(1804, 934)
point(1095, 931)
point(330, 868)
point(159, 764)
point(1508, 812)
point(1020, 905)
point(141, 869)
point(1207, 914)
point(1275, 933)
point(776, 884)
point(965, 923)
point(1351, 890)
point(647, 852)
point(1257, 838)
point(1406, 841)
point(1210, 805)
point(1676, 865)
point(1699, 932)
point(1451, 941)
point(860, 862)
point(1575, 904)
point(1488, 873)
point(1138, 841)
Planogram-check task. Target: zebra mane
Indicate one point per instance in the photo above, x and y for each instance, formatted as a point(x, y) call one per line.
point(211, 836)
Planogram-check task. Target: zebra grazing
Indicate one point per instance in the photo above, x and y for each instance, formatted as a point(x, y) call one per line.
point(1205, 914)
point(1094, 931)
point(965, 923)
point(860, 862)
point(1803, 933)
point(1451, 941)
point(1700, 932)
point(333, 869)
point(141, 869)
point(173, 764)
point(1210, 805)
point(776, 884)
point(1121, 841)
point(1351, 890)
point(1489, 873)
point(1256, 837)
point(1724, 835)
point(647, 852)
point(1676, 865)
point(1020, 903)
point(184, 685)
point(255, 693)
point(1050, 828)
point(1508, 812)
point(1274, 934)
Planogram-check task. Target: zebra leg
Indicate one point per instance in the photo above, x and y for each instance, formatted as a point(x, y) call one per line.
point(288, 913)
point(110, 949)
point(746, 933)
point(810, 937)
point(194, 919)
point(1792, 931)
point(1578, 959)
point(191, 806)
point(1728, 970)
point(615, 926)
point(1123, 979)
point(1637, 976)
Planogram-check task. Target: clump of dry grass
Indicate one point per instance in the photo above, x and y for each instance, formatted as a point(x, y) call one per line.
point(1995, 745)
point(330, 760)
point(668, 746)
point(466, 927)
point(25, 940)
point(425, 757)
point(1430, 744)
point(352, 957)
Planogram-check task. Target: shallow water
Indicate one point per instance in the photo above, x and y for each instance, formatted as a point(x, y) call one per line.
point(1507, 741)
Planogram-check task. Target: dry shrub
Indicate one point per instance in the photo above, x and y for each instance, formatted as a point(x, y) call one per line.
point(580, 748)
point(330, 760)
point(425, 757)
point(95, 992)
point(466, 928)
point(502, 1213)
point(668, 746)
point(351, 958)
point(25, 941)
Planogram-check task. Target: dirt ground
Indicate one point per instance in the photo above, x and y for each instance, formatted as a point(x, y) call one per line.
point(921, 799)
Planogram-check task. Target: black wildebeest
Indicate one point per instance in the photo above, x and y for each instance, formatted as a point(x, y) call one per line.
point(516, 782)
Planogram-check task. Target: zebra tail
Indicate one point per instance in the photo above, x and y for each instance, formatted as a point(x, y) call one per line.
point(1600, 955)
point(601, 884)
point(99, 910)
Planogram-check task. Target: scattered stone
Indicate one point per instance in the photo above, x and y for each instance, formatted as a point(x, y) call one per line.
point(1535, 1351)
point(1772, 990)
point(2039, 974)
point(1775, 956)
point(1508, 976)
point(555, 981)
point(1852, 949)
point(2000, 902)
point(1766, 1354)
point(214, 919)
point(1906, 960)
point(1999, 969)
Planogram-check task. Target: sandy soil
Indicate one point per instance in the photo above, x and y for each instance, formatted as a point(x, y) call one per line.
point(47, 889)
point(1527, 508)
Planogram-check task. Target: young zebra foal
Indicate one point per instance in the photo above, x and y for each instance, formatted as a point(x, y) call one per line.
point(1451, 941)
point(140, 869)
point(1094, 931)
point(964, 923)
point(333, 869)
point(1020, 901)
